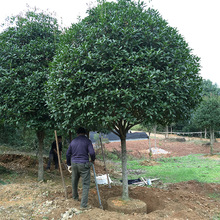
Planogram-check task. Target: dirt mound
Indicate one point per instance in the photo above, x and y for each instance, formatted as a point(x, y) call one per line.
point(15, 162)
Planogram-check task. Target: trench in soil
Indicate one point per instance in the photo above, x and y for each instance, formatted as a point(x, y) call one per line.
point(141, 193)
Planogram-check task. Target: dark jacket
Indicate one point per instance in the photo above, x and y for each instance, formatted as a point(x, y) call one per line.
point(54, 147)
point(79, 150)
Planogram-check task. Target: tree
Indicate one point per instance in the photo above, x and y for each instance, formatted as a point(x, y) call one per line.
point(207, 115)
point(209, 88)
point(120, 66)
point(27, 46)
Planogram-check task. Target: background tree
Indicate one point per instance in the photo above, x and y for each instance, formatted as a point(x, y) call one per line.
point(208, 88)
point(207, 116)
point(121, 66)
point(27, 46)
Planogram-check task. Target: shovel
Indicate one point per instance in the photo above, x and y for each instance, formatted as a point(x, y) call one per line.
point(97, 188)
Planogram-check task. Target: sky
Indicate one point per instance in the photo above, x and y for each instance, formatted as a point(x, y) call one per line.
point(196, 20)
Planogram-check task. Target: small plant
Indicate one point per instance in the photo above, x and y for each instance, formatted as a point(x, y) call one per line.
point(98, 142)
point(115, 155)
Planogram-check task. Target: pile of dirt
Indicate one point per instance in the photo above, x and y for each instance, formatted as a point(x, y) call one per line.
point(22, 161)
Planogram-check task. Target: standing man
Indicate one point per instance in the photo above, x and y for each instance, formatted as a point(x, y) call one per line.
point(77, 157)
point(53, 153)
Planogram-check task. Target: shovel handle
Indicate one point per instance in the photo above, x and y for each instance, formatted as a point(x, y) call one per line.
point(97, 188)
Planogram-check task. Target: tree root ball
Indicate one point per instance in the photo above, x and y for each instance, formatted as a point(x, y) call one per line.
point(126, 206)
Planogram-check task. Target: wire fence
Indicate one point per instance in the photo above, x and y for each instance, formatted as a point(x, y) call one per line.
point(201, 134)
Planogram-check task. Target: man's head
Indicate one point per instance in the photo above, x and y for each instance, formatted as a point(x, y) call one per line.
point(59, 138)
point(81, 131)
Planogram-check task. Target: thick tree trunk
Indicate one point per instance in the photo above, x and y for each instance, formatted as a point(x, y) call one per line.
point(40, 136)
point(121, 130)
point(125, 195)
point(212, 139)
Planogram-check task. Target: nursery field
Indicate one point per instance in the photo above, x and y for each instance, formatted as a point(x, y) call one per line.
point(187, 186)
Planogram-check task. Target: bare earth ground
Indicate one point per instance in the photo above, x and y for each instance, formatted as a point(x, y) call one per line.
point(25, 198)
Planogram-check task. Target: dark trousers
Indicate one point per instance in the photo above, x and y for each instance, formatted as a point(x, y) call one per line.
point(81, 170)
point(52, 157)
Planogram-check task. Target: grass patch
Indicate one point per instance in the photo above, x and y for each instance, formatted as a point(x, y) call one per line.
point(2, 182)
point(9, 176)
point(217, 217)
point(4, 175)
point(115, 156)
point(215, 196)
point(178, 169)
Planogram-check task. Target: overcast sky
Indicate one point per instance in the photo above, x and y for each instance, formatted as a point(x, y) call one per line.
point(196, 20)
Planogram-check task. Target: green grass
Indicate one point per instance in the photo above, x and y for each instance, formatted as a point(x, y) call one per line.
point(215, 196)
point(4, 173)
point(178, 169)
point(217, 217)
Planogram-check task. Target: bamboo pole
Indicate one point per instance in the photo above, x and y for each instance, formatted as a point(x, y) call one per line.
point(61, 171)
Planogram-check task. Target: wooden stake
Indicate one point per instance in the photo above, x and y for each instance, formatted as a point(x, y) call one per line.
point(103, 154)
point(144, 181)
point(61, 171)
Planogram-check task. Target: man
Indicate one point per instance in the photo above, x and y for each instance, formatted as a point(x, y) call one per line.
point(77, 157)
point(53, 153)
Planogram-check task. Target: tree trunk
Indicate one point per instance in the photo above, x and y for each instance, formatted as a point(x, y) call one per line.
point(212, 138)
point(70, 136)
point(205, 133)
point(125, 195)
point(87, 133)
point(40, 136)
point(167, 132)
point(150, 150)
point(155, 133)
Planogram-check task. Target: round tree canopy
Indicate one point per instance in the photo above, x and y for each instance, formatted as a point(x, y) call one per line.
point(122, 65)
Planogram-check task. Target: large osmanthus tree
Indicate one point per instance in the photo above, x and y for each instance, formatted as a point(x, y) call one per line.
point(120, 66)
point(27, 45)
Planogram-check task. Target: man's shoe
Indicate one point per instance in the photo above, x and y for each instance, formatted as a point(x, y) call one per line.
point(86, 208)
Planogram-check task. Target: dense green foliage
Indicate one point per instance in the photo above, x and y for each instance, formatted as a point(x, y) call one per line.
point(120, 66)
point(207, 114)
point(27, 46)
point(17, 137)
point(208, 88)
